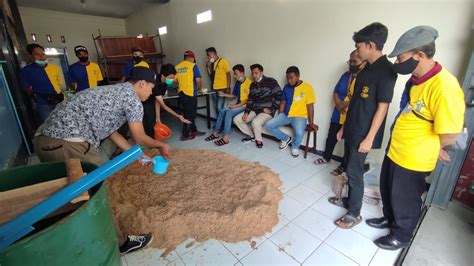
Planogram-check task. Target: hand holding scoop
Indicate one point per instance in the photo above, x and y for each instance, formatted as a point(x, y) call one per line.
point(160, 164)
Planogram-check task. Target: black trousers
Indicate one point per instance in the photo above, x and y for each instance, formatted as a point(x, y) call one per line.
point(355, 175)
point(189, 105)
point(149, 119)
point(331, 142)
point(401, 191)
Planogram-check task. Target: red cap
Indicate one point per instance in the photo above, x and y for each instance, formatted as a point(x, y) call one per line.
point(189, 53)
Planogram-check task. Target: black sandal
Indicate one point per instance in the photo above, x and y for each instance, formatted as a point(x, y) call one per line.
point(220, 142)
point(321, 161)
point(337, 171)
point(211, 137)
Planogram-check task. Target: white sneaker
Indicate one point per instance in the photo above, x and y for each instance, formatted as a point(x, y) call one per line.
point(295, 152)
point(284, 144)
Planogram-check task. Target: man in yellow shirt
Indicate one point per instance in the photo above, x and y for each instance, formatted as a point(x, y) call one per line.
point(296, 108)
point(41, 80)
point(431, 117)
point(225, 117)
point(189, 83)
point(84, 74)
point(219, 71)
point(138, 56)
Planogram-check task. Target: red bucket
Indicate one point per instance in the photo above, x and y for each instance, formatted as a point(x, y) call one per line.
point(162, 132)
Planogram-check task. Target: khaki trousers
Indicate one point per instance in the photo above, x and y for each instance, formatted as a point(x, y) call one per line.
point(257, 122)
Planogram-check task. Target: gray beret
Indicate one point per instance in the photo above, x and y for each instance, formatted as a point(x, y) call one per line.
point(414, 38)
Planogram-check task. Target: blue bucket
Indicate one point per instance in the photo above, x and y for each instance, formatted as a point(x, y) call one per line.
point(160, 165)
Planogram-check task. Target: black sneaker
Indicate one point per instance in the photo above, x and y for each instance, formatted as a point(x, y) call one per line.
point(134, 243)
point(248, 139)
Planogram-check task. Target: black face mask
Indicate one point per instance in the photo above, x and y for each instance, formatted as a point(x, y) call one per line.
point(137, 59)
point(84, 59)
point(354, 68)
point(406, 67)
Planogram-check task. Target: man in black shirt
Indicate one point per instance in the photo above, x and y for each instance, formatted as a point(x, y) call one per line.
point(366, 116)
point(151, 107)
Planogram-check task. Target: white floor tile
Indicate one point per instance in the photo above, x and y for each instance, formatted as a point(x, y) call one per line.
point(316, 223)
point(281, 223)
point(287, 184)
point(321, 182)
point(288, 159)
point(296, 174)
point(332, 211)
point(210, 252)
point(290, 208)
point(385, 257)
point(305, 195)
point(357, 247)
point(296, 241)
point(150, 256)
point(187, 245)
point(370, 232)
point(241, 249)
point(326, 255)
point(268, 254)
point(277, 166)
point(124, 261)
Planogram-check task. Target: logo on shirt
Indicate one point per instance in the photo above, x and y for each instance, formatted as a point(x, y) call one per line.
point(365, 92)
point(299, 97)
point(182, 70)
point(419, 105)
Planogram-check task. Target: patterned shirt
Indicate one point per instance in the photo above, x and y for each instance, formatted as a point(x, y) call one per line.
point(93, 115)
point(264, 94)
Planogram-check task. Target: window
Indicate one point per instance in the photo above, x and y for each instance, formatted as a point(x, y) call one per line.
point(162, 30)
point(204, 16)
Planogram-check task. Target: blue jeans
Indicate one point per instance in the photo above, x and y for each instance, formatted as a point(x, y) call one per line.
point(43, 111)
point(225, 116)
point(298, 124)
point(219, 102)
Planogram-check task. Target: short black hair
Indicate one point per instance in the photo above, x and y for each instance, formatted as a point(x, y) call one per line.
point(375, 32)
point(294, 70)
point(428, 49)
point(239, 67)
point(167, 69)
point(211, 50)
point(30, 47)
point(260, 67)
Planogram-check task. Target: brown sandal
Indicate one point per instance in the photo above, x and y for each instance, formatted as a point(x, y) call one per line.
point(220, 142)
point(348, 221)
point(211, 137)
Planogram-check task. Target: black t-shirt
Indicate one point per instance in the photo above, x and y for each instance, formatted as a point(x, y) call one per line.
point(374, 84)
point(159, 90)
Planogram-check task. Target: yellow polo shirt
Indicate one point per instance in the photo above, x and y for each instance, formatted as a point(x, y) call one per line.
point(415, 142)
point(221, 68)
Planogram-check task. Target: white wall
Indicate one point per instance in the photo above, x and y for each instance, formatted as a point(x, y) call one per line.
point(76, 28)
point(314, 35)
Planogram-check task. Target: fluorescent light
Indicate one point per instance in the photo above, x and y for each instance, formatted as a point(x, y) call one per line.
point(51, 51)
point(162, 30)
point(140, 36)
point(204, 16)
point(33, 37)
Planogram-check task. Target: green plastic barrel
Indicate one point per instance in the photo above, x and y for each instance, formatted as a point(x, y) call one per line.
point(85, 236)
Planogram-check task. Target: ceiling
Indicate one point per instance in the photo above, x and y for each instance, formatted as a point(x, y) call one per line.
point(105, 8)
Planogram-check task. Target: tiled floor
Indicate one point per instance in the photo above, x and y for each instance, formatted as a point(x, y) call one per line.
point(305, 233)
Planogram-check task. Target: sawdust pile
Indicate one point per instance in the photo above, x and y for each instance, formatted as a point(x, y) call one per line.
point(207, 194)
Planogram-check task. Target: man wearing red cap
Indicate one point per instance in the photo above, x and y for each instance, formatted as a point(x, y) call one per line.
point(189, 82)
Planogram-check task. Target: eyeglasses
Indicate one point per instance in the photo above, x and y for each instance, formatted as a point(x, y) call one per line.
point(351, 63)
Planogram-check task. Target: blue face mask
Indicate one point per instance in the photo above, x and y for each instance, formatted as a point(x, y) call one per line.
point(41, 62)
point(169, 82)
